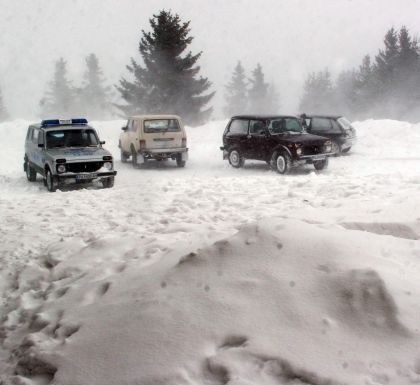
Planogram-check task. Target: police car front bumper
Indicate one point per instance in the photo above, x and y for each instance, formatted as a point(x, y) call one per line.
point(71, 177)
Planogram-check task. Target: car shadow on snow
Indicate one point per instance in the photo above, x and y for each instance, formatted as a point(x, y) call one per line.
point(263, 167)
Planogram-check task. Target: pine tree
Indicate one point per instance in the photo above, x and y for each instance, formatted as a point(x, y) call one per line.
point(364, 97)
point(59, 100)
point(236, 92)
point(94, 95)
point(407, 87)
point(3, 111)
point(318, 93)
point(386, 62)
point(258, 92)
point(262, 96)
point(344, 91)
point(168, 82)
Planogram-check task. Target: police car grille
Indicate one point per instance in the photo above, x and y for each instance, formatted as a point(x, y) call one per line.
point(84, 166)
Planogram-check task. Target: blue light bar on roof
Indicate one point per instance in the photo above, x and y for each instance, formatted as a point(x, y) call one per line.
point(58, 122)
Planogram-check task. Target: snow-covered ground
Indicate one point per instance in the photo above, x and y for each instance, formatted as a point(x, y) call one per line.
point(212, 275)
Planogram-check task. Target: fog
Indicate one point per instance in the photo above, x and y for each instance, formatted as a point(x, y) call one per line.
point(290, 38)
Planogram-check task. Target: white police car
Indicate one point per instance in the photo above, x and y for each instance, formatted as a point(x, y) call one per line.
point(66, 152)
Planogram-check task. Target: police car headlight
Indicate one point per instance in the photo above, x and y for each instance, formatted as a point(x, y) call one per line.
point(108, 165)
point(61, 168)
point(328, 147)
point(299, 151)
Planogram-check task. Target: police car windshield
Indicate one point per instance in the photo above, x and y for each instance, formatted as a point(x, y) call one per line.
point(72, 138)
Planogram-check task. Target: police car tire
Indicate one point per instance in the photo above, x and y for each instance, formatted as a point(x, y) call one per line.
point(52, 184)
point(108, 182)
point(30, 173)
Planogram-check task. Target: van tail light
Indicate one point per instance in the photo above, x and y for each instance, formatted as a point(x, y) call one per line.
point(184, 142)
point(142, 143)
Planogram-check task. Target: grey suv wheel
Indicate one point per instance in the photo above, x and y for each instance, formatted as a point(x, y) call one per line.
point(336, 148)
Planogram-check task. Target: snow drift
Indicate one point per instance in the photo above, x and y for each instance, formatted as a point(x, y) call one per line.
point(210, 275)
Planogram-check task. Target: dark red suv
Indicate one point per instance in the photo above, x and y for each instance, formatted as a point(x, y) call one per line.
point(281, 141)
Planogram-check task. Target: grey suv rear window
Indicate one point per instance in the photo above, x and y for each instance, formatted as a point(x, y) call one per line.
point(158, 125)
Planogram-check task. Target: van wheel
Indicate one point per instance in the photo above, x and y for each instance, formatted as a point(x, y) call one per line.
point(179, 161)
point(134, 157)
point(30, 172)
point(108, 182)
point(281, 162)
point(235, 158)
point(321, 164)
point(51, 181)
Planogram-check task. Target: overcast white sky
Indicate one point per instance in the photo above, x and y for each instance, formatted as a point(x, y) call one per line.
point(288, 37)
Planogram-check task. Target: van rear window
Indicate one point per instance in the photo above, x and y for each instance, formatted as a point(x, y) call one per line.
point(159, 125)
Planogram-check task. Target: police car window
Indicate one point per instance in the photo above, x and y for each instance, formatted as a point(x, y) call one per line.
point(35, 136)
point(239, 126)
point(159, 125)
point(40, 138)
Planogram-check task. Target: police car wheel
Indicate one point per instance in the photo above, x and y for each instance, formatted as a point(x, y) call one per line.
point(108, 182)
point(30, 173)
point(51, 182)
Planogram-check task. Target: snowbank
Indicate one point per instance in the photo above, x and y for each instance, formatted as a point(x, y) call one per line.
point(212, 275)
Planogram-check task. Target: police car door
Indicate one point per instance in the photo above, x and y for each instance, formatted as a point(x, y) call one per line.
point(36, 156)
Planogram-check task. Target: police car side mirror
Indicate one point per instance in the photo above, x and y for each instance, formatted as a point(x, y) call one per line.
point(124, 128)
point(41, 145)
point(102, 142)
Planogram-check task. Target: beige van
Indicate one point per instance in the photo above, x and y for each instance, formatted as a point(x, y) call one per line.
point(157, 137)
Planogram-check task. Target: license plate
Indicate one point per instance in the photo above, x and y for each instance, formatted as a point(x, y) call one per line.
point(318, 158)
point(85, 176)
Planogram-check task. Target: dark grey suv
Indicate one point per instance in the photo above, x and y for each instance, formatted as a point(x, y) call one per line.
point(281, 141)
point(337, 128)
